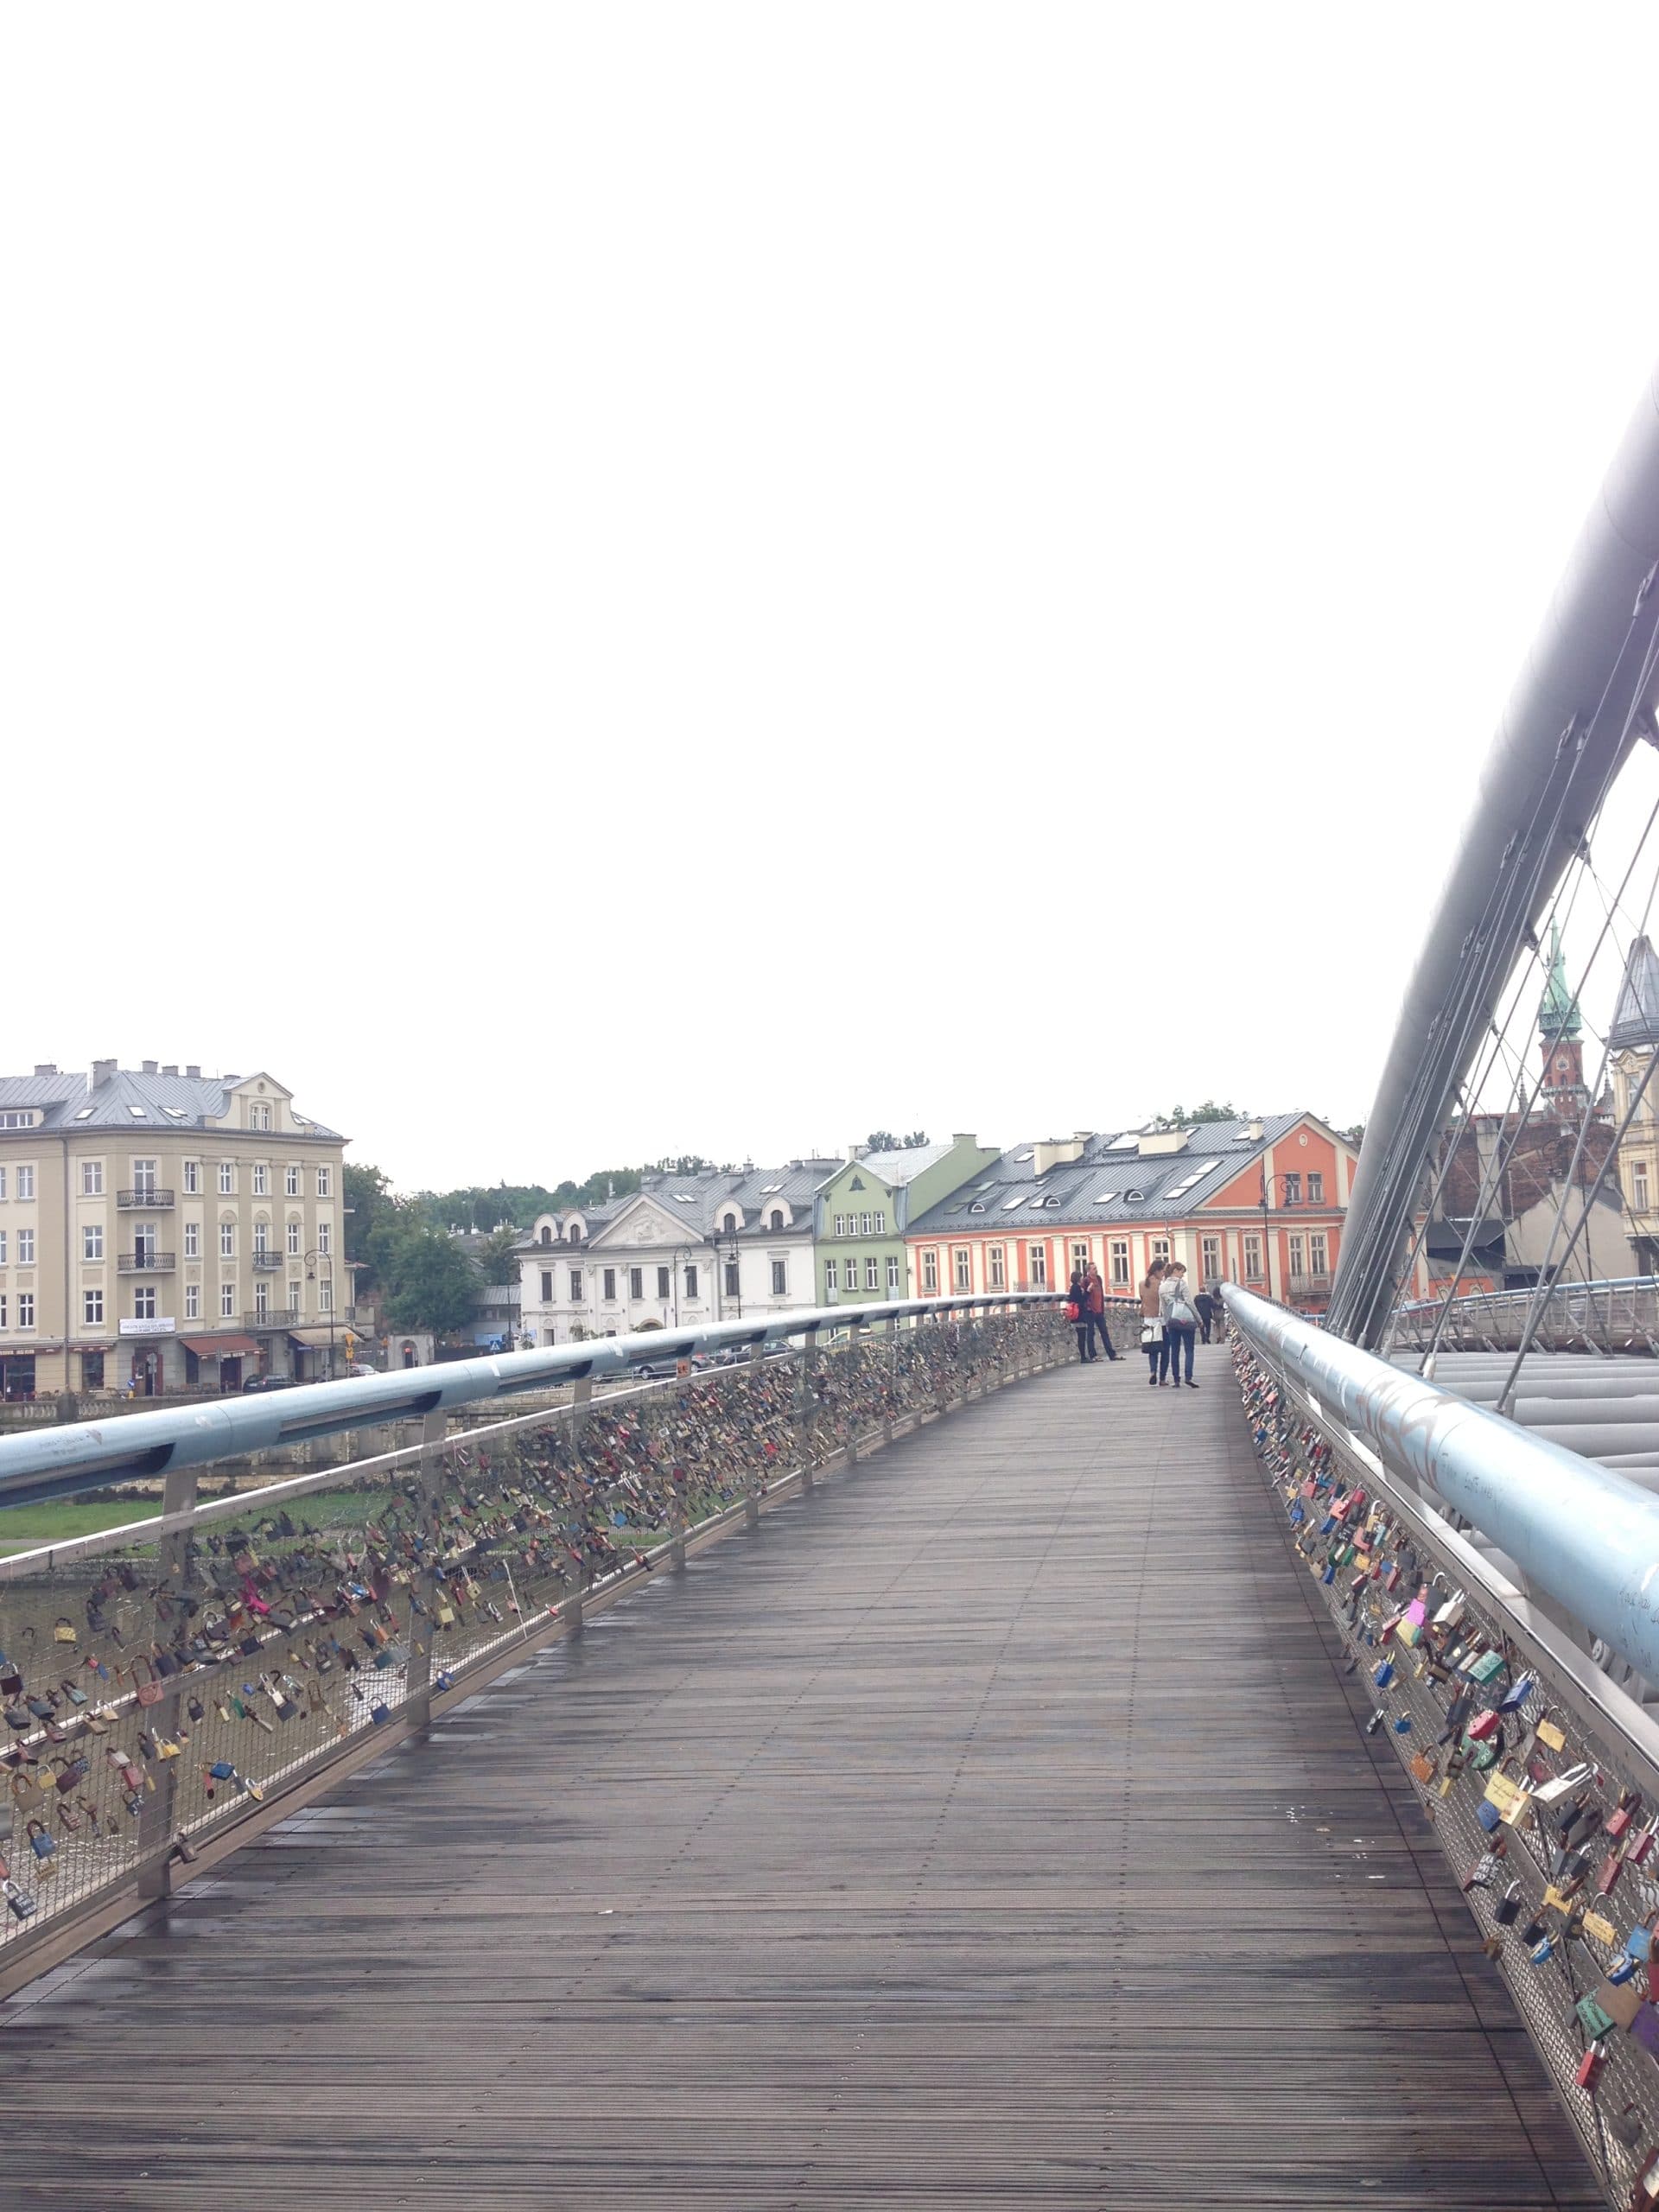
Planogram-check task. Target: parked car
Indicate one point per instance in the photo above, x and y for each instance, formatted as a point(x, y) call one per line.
point(268, 1382)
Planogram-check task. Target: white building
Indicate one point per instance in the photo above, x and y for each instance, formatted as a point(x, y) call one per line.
point(683, 1249)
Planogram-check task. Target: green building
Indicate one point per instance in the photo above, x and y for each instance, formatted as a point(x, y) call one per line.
point(863, 1211)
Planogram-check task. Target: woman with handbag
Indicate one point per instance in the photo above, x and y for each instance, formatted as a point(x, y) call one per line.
point(1152, 1325)
point(1076, 1309)
point(1181, 1321)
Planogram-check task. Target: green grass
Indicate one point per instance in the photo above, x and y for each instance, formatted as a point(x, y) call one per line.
point(23, 1528)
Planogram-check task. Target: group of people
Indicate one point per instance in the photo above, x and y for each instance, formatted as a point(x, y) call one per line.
point(1173, 1316)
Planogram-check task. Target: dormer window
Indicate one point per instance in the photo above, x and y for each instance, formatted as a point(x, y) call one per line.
point(573, 1233)
point(547, 1233)
point(775, 1219)
point(729, 1224)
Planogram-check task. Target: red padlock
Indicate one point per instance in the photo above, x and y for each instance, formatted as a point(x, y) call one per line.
point(1482, 1726)
point(1589, 2066)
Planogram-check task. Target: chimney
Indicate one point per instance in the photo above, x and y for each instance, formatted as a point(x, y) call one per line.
point(1255, 1131)
point(172, 1068)
point(1054, 1152)
point(191, 1068)
point(151, 1067)
point(46, 1067)
point(964, 1136)
point(102, 1072)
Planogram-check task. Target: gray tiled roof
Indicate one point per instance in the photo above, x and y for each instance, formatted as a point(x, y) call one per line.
point(166, 1102)
point(1636, 1017)
point(750, 1193)
point(897, 1168)
point(1094, 1188)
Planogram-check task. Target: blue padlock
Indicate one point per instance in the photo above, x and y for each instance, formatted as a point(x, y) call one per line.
point(379, 1715)
point(1383, 1675)
point(1403, 1725)
point(1542, 1953)
point(1517, 1695)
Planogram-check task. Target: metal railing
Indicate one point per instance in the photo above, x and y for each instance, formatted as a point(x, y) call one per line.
point(145, 1262)
point(1619, 1315)
point(159, 1680)
point(159, 1199)
point(266, 1261)
point(1491, 1591)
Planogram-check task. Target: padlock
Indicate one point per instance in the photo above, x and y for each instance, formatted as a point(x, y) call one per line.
point(1507, 1911)
point(1590, 2067)
point(19, 1903)
point(40, 1840)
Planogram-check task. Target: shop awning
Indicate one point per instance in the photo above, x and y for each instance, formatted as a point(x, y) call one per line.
point(226, 1347)
point(316, 1339)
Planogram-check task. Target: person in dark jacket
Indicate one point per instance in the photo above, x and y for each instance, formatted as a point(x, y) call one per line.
point(1094, 1305)
point(1076, 1296)
point(1203, 1307)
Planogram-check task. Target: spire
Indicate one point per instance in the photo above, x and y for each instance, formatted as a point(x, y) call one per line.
point(1636, 1017)
point(1558, 1010)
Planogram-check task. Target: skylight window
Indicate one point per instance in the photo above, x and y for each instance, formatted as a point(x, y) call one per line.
point(85, 1115)
point(1022, 1155)
point(136, 1112)
point(684, 1198)
point(1127, 1142)
point(174, 1113)
point(1008, 1205)
point(1104, 1198)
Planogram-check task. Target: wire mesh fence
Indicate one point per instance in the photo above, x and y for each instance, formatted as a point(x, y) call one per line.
point(1541, 1784)
point(158, 1683)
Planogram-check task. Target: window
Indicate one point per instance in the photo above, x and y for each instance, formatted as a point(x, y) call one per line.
point(295, 1297)
point(261, 1179)
point(2, 1182)
point(1315, 1188)
point(290, 1182)
point(193, 1301)
point(261, 1239)
point(1160, 1247)
point(293, 1239)
point(573, 1233)
point(831, 1281)
point(227, 1240)
point(92, 1371)
point(25, 1183)
point(193, 1240)
point(1210, 1259)
point(192, 1178)
point(91, 1243)
point(1039, 1266)
point(227, 1301)
point(226, 1179)
point(3, 1247)
point(871, 1271)
point(664, 1289)
point(1291, 1188)
point(781, 1278)
point(325, 1237)
point(261, 1300)
point(325, 1296)
point(841, 1224)
point(690, 1283)
point(892, 1271)
point(92, 1179)
point(775, 1221)
point(863, 1224)
point(143, 1301)
point(1298, 1262)
point(25, 1247)
point(325, 1182)
point(962, 1269)
point(610, 1282)
point(575, 1286)
point(547, 1286)
point(1119, 1252)
point(91, 1307)
point(2, 1309)
point(929, 1270)
point(728, 1222)
point(1318, 1261)
point(547, 1233)
point(997, 1265)
point(733, 1287)
point(10, 1120)
point(636, 1284)
point(258, 1116)
point(1639, 1185)
point(881, 1221)
point(26, 1308)
point(1252, 1259)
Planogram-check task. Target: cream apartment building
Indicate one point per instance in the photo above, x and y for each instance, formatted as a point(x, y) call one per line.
point(163, 1230)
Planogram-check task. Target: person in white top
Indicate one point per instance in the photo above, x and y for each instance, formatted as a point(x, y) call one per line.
point(1180, 1321)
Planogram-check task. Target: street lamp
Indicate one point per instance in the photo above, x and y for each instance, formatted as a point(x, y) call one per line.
point(1288, 1183)
point(311, 1260)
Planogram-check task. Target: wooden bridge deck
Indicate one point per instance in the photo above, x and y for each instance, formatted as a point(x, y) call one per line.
point(990, 1828)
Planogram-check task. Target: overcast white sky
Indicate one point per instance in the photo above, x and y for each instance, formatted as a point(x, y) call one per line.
point(583, 581)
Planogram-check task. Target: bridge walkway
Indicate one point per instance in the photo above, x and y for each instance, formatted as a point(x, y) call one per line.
point(991, 1827)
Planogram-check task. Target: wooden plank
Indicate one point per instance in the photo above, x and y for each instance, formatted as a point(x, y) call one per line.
point(989, 1827)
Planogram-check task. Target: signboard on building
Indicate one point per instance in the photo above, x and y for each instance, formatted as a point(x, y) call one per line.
point(157, 1328)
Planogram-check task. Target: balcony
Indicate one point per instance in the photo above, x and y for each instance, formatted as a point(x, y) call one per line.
point(146, 1200)
point(266, 1263)
point(1309, 1286)
point(145, 1262)
point(292, 1317)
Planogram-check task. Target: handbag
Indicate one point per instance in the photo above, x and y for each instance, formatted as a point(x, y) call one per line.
point(1072, 1312)
point(1151, 1332)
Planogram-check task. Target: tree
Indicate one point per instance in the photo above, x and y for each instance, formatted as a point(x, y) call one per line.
point(431, 1282)
point(369, 1206)
point(884, 1141)
point(1178, 1118)
point(914, 1141)
point(495, 1257)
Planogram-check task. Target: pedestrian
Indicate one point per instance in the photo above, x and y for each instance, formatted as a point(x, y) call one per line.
point(1205, 1306)
point(1181, 1321)
point(1078, 1305)
point(1093, 1302)
point(1218, 1313)
point(1152, 1325)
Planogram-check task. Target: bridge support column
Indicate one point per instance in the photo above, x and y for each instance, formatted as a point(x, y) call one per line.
point(890, 1331)
point(856, 1341)
point(576, 1579)
point(157, 1822)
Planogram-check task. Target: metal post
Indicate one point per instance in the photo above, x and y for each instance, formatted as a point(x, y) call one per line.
point(582, 1392)
point(805, 1406)
point(417, 1677)
point(158, 1819)
point(891, 1330)
point(855, 1344)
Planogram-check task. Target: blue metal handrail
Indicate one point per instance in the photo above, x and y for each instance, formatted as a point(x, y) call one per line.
point(85, 1455)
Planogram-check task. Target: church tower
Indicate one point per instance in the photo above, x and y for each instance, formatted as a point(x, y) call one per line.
point(1559, 1035)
